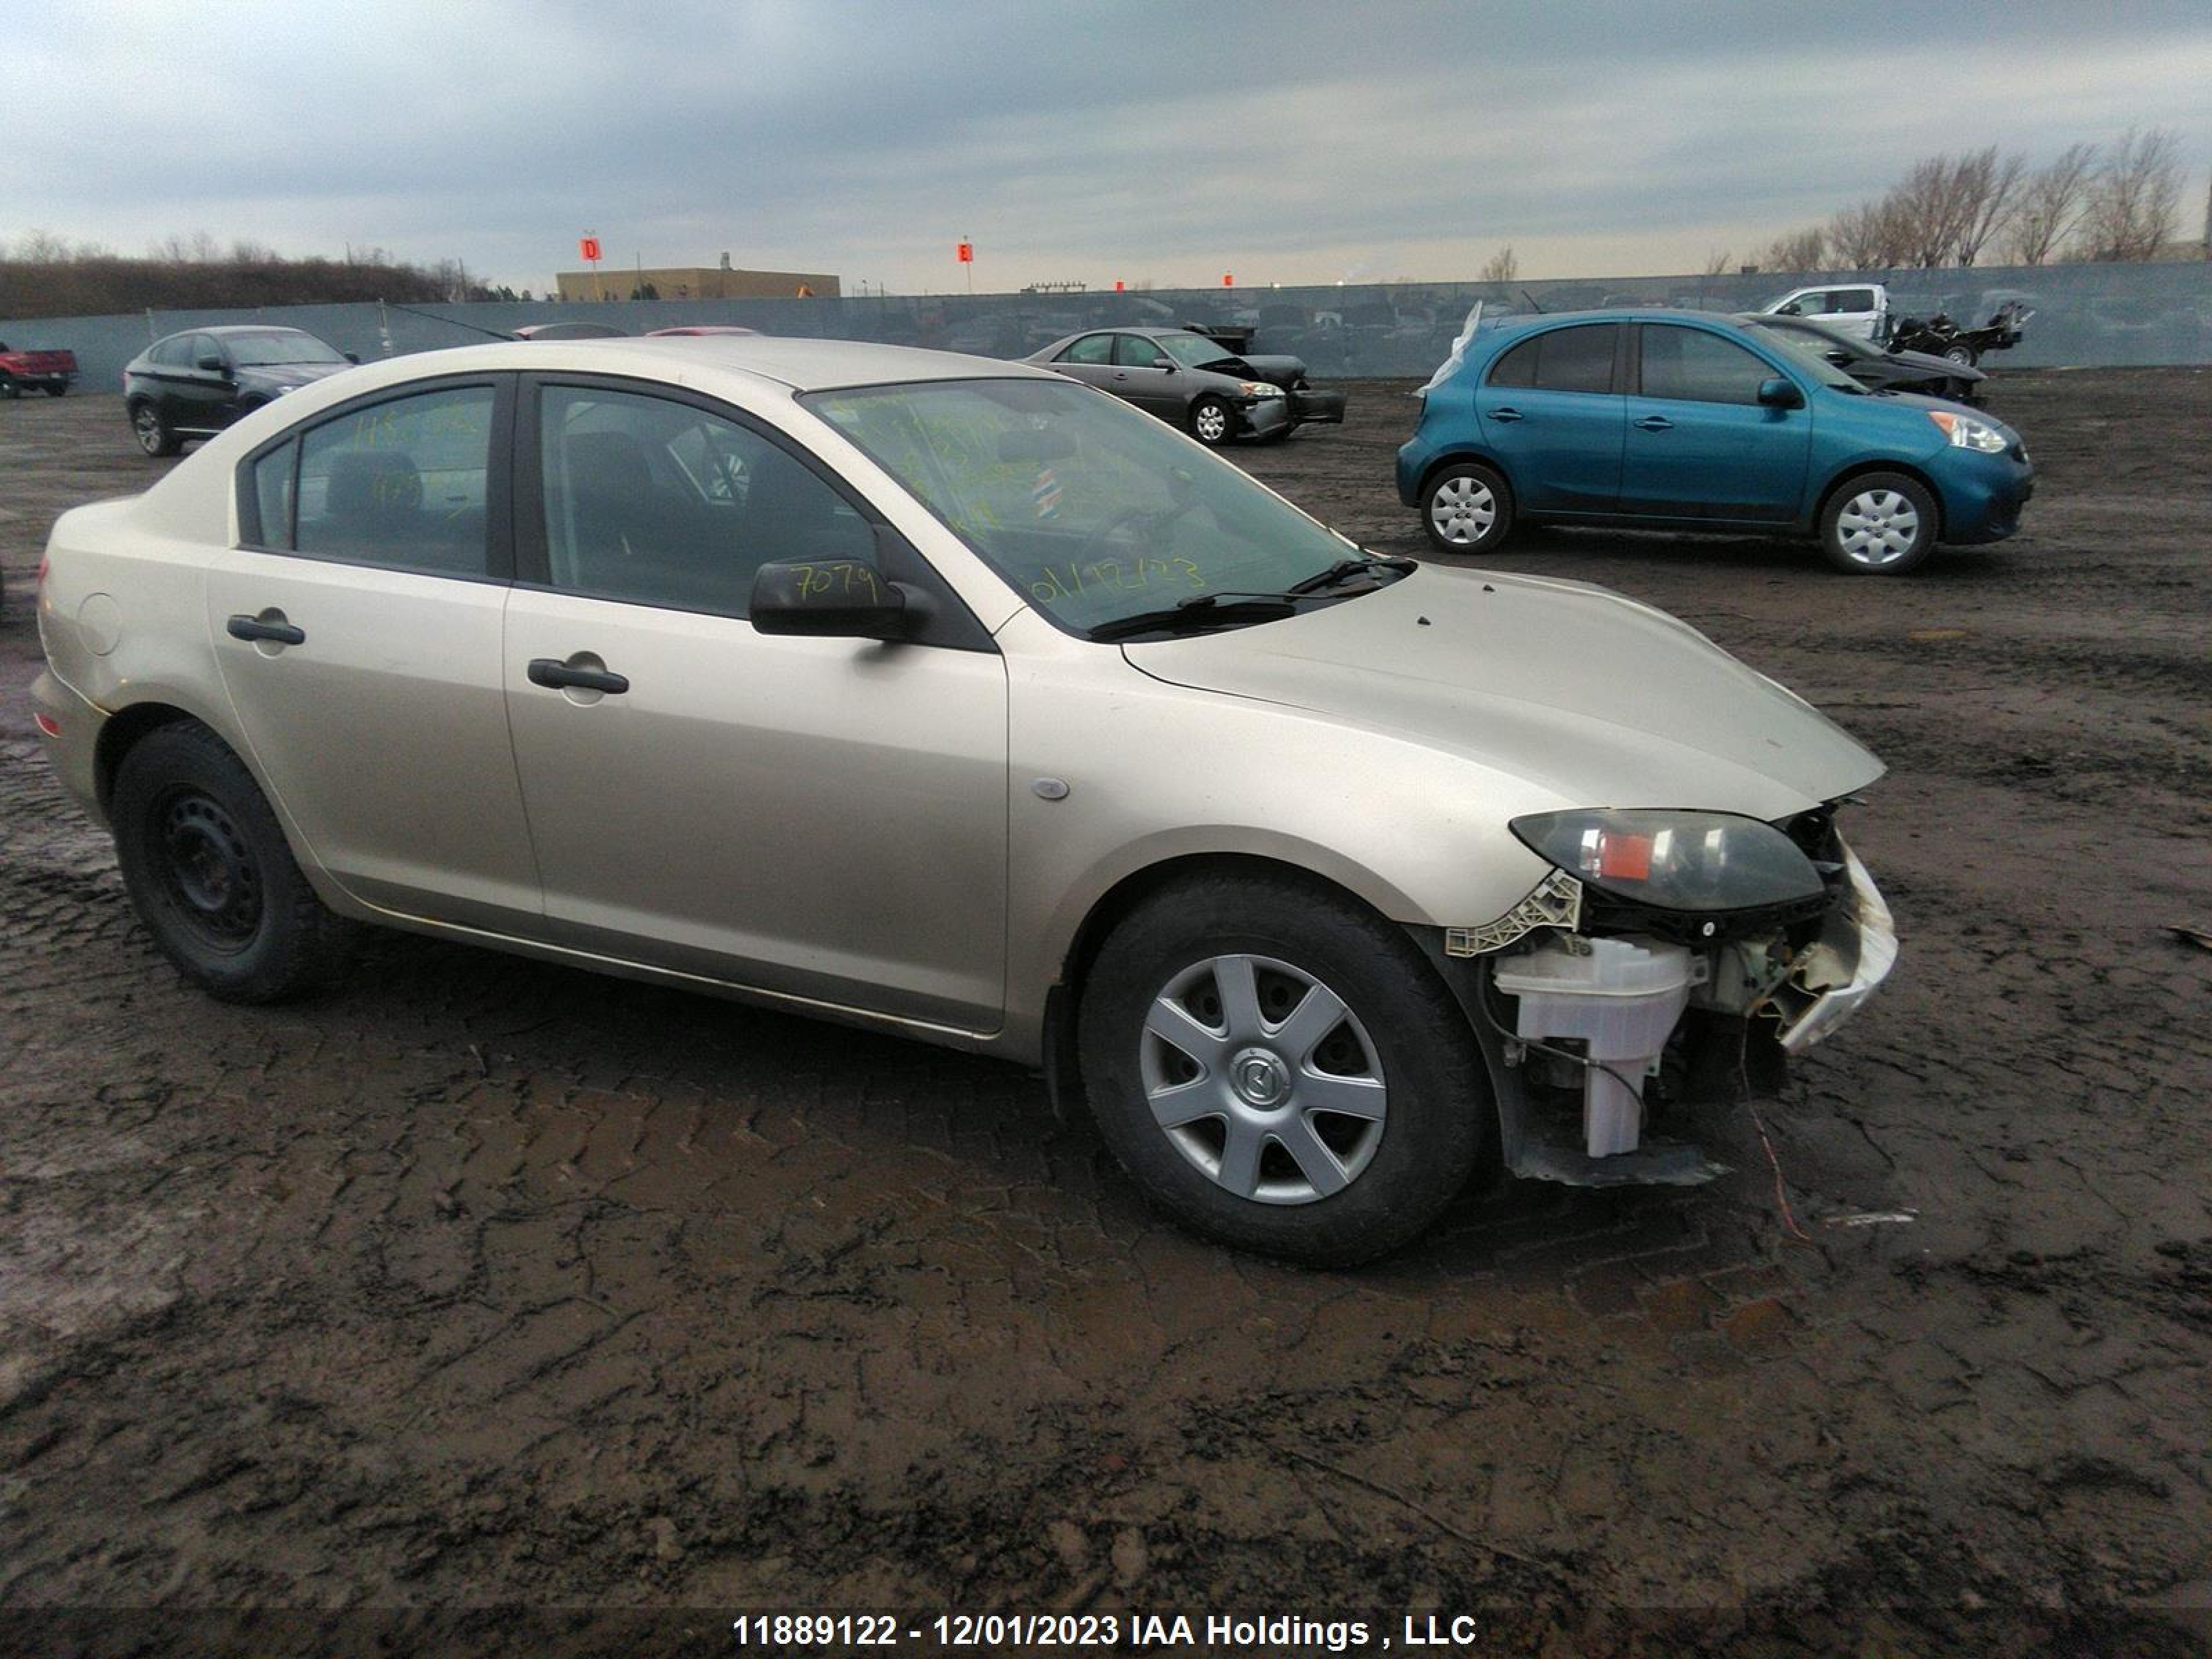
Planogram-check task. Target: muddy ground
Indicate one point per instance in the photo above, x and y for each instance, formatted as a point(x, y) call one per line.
point(481, 1282)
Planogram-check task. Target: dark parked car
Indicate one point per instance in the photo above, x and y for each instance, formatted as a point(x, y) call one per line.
point(1877, 369)
point(194, 384)
point(1192, 382)
point(700, 328)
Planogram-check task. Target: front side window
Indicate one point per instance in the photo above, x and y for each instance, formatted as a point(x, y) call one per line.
point(1089, 508)
point(401, 484)
point(1695, 367)
point(654, 501)
point(1137, 351)
point(1097, 350)
point(273, 482)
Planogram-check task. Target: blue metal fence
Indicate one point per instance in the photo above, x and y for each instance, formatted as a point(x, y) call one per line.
point(2095, 315)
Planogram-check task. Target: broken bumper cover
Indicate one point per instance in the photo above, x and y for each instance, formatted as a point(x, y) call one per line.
point(1310, 407)
point(1843, 967)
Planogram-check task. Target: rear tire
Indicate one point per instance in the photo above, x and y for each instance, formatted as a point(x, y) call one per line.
point(208, 872)
point(1468, 508)
point(152, 430)
point(61, 391)
point(1328, 1111)
point(1961, 354)
point(1879, 524)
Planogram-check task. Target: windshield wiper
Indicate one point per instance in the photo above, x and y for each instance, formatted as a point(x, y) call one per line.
point(1198, 611)
point(1344, 569)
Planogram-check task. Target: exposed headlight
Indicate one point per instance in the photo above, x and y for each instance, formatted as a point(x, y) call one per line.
point(1675, 861)
point(1259, 389)
point(1965, 432)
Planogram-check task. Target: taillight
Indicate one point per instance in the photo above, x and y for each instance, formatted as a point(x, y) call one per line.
point(48, 724)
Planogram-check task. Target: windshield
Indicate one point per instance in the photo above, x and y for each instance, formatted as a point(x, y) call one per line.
point(1092, 510)
point(1193, 350)
point(261, 349)
point(1808, 346)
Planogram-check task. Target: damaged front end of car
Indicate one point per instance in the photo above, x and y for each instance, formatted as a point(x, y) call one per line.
point(1671, 961)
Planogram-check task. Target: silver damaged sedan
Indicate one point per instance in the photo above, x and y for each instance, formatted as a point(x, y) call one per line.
point(951, 698)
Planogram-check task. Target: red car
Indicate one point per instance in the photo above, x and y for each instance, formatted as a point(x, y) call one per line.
point(50, 371)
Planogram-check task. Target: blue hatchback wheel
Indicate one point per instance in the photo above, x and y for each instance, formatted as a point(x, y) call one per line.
point(1883, 524)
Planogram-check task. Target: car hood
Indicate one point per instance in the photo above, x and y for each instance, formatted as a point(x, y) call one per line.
point(1588, 695)
point(287, 375)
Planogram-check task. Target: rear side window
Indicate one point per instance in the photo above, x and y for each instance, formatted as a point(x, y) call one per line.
point(1695, 367)
point(1853, 299)
point(401, 484)
point(1091, 349)
point(1563, 360)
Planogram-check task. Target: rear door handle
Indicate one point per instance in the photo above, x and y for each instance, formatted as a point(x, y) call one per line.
point(252, 627)
point(1656, 423)
point(1504, 413)
point(550, 672)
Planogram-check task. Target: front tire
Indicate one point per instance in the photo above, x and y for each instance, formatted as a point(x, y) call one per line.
point(59, 391)
point(1212, 422)
point(1281, 1071)
point(208, 872)
point(1961, 354)
point(1881, 523)
point(1468, 508)
point(152, 430)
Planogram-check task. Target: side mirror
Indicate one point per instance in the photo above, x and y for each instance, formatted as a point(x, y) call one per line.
point(1839, 357)
point(208, 360)
point(1777, 393)
point(1164, 361)
point(828, 598)
point(350, 356)
point(1793, 309)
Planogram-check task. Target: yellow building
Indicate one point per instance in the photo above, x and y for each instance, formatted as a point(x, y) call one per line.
point(694, 282)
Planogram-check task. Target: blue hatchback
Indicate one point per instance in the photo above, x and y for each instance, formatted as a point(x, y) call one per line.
point(1674, 419)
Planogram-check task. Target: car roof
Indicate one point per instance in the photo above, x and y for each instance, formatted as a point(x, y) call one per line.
point(800, 364)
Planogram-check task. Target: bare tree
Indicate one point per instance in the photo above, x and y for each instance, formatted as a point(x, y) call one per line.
point(1986, 185)
point(2134, 201)
point(1865, 237)
point(1503, 267)
point(2051, 203)
point(1800, 250)
point(1717, 262)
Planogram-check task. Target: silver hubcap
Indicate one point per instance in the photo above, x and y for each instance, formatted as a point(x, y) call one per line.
point(150, 428)
point(1213, 422)
point(1877, 527)
point(1261, 1077)
point(1462, 509)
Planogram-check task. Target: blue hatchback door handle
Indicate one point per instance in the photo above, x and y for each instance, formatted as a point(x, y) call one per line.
point(1656, 423)
point(1504, 413)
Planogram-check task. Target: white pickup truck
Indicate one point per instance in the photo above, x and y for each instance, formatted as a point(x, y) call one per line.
point(1848, 307)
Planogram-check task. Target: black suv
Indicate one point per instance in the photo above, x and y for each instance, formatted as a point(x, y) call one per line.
point(194, 384)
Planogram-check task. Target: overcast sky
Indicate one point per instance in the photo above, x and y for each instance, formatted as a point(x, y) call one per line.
point(1287, 142)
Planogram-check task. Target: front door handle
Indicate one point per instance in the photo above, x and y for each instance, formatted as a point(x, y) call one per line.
point(1656, 423)
point(550, 672)
point(1504, 413)
point(277, 632)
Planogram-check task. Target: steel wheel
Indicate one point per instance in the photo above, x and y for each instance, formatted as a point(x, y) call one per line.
point(1878, 528)
point(1462, 509)
point(208, 874)
point(1263, 1080)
